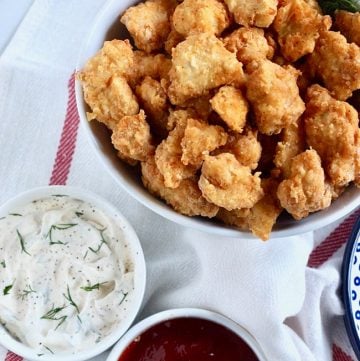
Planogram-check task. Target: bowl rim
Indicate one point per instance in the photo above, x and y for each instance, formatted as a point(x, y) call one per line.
point(176, 313)
point(17, 347)
point(313, 221)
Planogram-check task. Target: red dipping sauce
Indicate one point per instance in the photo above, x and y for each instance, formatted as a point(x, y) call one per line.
point(188, 339)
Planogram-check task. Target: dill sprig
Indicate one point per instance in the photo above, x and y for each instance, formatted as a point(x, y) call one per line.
point(22, 243)
point(7, 289)
point(71, 301)
point(53, 315)
point(59, 227)
point(49, 349)
point(102, 241)
point(25, 292)
point(15, 214)
point(90, 287)
point(330, 6)
point(124, 297)
point(79, 214)
point(3, 263)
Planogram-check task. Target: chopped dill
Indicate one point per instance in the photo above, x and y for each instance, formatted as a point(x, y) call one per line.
point(71, 301)
point(59, 227)
point(52, 315)
point(90, 288)
point(124, 297)
point(3, 263)
point(102, 241)
point(79, 214)
point(49, 349)
point(15, 214)
point(25, 292)
point(22, 243)
point(7, 289)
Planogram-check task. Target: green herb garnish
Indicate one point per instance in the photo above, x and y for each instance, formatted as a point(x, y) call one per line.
point(59, 227)
point(102, 241)
point(69, 298)
point(90, 288)
point(79, 214)
point(25, 292)
point(7, 289)
point(124, 296)
point(22, 243)
point(15, 214)
point(60, 195)
point(52, 315)
point(49, 349)
point(3, 263)
point(330, 6)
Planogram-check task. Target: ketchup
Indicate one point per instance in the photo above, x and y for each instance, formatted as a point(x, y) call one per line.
point(188, 339)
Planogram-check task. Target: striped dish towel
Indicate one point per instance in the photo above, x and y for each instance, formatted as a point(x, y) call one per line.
point(286, 288)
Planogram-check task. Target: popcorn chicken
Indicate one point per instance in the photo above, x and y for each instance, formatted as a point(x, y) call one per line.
point(201, 105)
point(331, 129)
point(200, 16)
point(131, 137)
point(305, 191)
point(148, 23)
point(292, 143)
point(154, 101)
point(179, 116)
point(168, 158)
point(186, 198)
point(201, 63)
point(249, 44)
point(349, 25)
point(298, 26)
point(236, 218)
point(228, 184)
point(260, 13)
point(232, 107)
point(199, 140)
point(172, 41)
point(337, 63)
point(274, 95)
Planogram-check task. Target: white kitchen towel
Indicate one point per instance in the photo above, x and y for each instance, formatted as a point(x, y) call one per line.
point(288, 301)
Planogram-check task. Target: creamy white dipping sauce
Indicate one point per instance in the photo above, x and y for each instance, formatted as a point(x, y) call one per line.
point(66, 274)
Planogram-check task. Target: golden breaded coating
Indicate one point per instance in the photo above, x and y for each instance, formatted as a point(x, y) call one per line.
point(232, 106)
point(245, 147)
point(186, 198)
point(168, 158)
point(292, 143)
point(200, 16)
point(337, 63)
point(201, 63)
point(305, 191)
point(180, 116)
point(274, 95)
point(249, 44)
point(357, 159)
point(153, 99)
point(173, 39)
point(149, 23)
point(236, 218)
point(200, 105)
point(131, 137)
point(331, 127)
point(260, 13)
point(199, 140)
point(228, 184)
point(263, 215)
point(349, 25)
point(298, 26)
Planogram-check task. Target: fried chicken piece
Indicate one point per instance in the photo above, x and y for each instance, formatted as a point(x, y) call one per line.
point(201, 106)
point(155, 66)
point(232, 107)
point(201, 63)
point(292, 143)
point(131, 137)
point(199, 140)
point(172, 41)
point(180, 116)
point(260, 13)
point(298, 26)
point(274, 95)
point(200, 16)
point(249, 44)
point(149, 23)
point(186, 198)
point(349, 25)
point(331, 127)
point(337, 63)
point(104, 83)
point(236, 218)
point(305, 191)
point(245, 147)
point(154, 101)
point(228, 184)
point(168, 158)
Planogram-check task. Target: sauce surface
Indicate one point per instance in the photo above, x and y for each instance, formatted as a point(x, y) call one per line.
point(66, 274)
point(188, 339)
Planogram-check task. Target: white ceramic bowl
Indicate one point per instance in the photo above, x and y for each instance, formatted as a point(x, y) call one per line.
point(108, 27)
point(28, 353)
point(153, 320)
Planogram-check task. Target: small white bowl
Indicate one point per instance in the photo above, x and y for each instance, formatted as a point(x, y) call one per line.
point(108, 27)
point(9, 342)
point(167, 315)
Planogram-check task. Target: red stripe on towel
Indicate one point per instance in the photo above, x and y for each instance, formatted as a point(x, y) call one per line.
point(10, 356)
point(333, 242)
point(67, 143)
point(340, 355)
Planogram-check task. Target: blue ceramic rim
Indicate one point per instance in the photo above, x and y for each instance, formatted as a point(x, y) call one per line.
point(345, 272)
